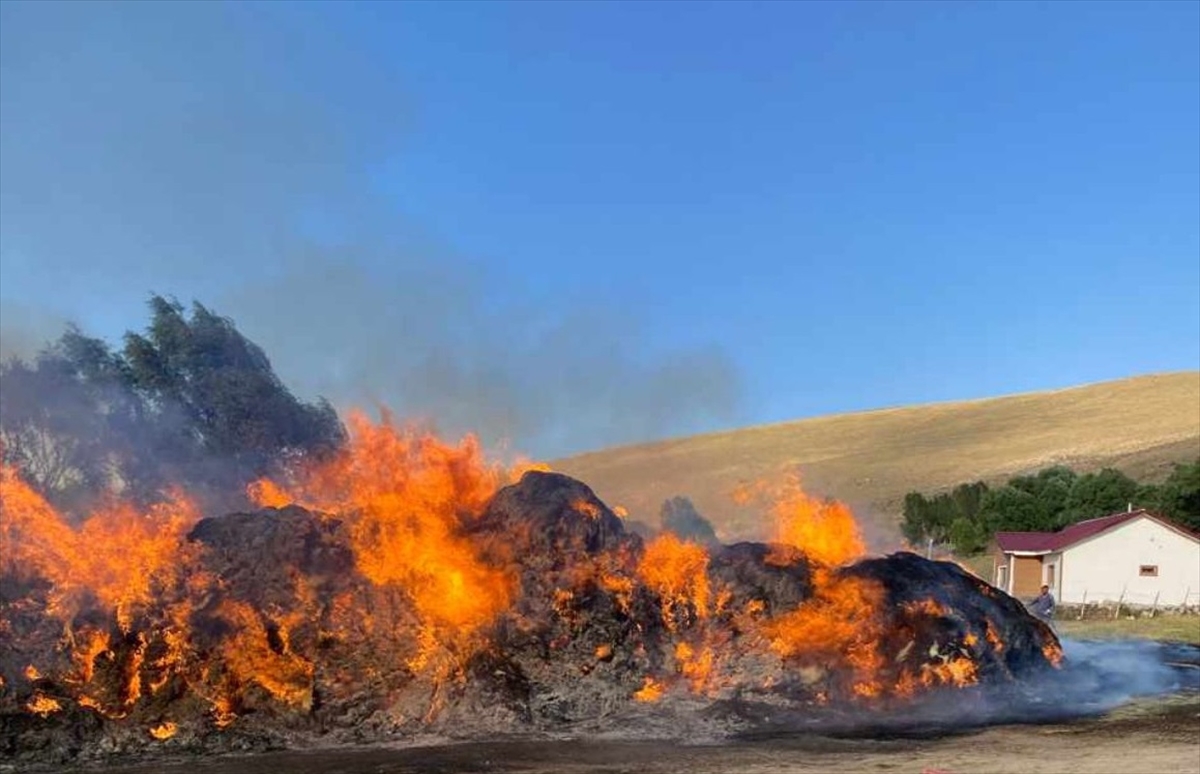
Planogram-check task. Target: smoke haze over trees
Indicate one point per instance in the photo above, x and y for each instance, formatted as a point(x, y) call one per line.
point(968, 516)
point(190, 402)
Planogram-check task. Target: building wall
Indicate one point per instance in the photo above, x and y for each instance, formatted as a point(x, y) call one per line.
point(1108, 564)
point(1026, 576)
point(1000, 559)
point(1052, 565)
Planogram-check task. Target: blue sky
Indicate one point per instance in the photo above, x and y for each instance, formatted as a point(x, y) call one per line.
point(574, 224)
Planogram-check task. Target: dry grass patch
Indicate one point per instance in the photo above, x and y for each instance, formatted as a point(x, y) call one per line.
point(871, 459)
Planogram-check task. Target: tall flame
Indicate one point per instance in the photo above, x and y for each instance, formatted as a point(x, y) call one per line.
point(838, 628)
point(119, 554)
point(120, 562)
point(676, 570)
point(406, 497)
point(825, 530)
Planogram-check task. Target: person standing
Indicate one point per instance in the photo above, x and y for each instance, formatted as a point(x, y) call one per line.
point(1043, 605)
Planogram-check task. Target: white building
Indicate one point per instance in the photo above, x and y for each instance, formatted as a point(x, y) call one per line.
point(1135, 556)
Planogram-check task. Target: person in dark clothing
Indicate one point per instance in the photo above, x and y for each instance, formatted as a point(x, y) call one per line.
point(1043, 605)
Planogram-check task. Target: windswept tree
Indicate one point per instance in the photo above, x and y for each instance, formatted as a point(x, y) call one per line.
point(191, 401)
point(223, 383)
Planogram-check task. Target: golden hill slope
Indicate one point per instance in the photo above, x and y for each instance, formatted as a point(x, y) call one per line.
point(871, 459)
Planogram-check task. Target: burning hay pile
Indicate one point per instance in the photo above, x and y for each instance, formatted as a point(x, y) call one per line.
point(407, 588)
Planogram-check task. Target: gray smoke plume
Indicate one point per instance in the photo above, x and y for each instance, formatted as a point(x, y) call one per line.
point(428, 341)
point(1095, 677)
point(223, 152)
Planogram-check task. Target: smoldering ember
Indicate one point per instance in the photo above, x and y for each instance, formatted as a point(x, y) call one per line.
point(409, 589)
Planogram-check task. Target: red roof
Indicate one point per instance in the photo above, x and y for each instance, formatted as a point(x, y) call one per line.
point(1044, 542)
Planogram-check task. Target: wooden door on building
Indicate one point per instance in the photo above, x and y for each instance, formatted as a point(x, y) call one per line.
point(1027, 576)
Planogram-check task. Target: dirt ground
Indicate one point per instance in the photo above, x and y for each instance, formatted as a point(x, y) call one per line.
point(1156, 736)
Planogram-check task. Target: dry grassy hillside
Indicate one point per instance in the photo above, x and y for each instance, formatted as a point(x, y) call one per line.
point(871, 459)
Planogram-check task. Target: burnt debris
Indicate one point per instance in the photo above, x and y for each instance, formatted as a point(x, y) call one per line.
point(271, 635)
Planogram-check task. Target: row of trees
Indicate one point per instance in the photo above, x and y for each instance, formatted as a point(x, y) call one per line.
point(190, 401)
point(968, 516)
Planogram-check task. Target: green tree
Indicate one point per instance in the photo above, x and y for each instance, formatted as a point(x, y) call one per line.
point(1054, 497)
point(1179, 495)
point(1099, 494)
point(926, 519)
point(932, 518)
point(226, 388)
point(1008, 508)
point(968, 536)
point(191, 402)
point(1050, 489)
point(968, 498)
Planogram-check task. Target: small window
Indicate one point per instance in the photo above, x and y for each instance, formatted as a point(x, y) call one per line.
point(1148, 571)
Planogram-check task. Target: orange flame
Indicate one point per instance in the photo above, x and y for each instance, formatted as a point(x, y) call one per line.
point(406, 496)
point(651, 691)
point(587, 508)
point(1053, 653)
point(838, 625)
point(676, 570)
point(993, 639)
point(406, 503)
point(959, 672)
point(164, 731)
point(697, 665)
point(43, 705)
point(119, 554)
point(94, 645)
point(119, 560)
point(250, 657)
point(825, 530)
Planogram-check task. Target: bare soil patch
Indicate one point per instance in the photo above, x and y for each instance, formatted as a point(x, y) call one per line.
point(1152, 736)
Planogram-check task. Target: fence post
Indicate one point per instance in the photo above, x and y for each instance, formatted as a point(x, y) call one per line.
point(1083, 607)
point(1117, 609)
point(1154, 608)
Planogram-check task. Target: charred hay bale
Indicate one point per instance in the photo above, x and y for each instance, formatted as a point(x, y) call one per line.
point(262, 552)
point(551, 519)
point(289, 601)
point(584, 630)
point(27, 636)
point(937, 610)
point(54, 739)
point(744, 571)
point(576, 565)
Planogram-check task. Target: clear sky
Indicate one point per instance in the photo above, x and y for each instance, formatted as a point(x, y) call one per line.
point(573, 224)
